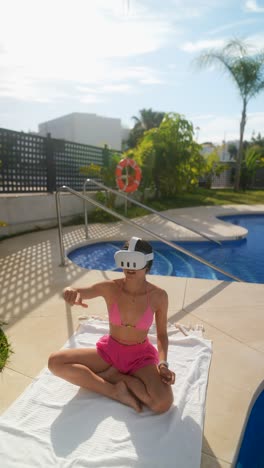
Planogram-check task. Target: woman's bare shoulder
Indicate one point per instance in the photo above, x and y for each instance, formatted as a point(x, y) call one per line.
point(105, 287)
point(118, 283)
point(157, 292)
point(112, 286)
point(112, 289)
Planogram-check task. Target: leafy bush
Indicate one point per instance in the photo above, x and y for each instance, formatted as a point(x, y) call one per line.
point(170, 158)
point(5, 348)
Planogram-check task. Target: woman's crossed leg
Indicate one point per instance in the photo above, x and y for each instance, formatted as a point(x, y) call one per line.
point(82, 367)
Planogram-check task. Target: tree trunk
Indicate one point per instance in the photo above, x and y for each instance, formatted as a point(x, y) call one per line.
point(240, 148)
point(157, 187)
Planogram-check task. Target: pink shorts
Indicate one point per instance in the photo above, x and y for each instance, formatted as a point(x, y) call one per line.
point(127, 358)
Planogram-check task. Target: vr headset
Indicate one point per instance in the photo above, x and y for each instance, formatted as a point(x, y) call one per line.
point(130, 259)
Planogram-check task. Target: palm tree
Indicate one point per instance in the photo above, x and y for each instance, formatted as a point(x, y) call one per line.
point(147, 119)
point(247, 71)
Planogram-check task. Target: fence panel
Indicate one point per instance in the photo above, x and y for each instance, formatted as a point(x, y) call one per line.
point(23, 162)
point(31, 163)
point(70, 157)
point(258, 180)
point(226, 178)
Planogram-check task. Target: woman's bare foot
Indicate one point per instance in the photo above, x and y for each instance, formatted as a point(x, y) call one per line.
point(124, 396)
point(111, 375)
point(135, 385)
point(138, 388)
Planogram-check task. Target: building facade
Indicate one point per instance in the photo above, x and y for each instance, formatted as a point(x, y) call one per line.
point(88, 129)
point(221, 150)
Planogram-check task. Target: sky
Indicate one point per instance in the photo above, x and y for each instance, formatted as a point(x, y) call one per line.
point(115, 57)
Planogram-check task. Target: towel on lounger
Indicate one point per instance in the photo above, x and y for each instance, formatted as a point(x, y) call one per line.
point(56, 424)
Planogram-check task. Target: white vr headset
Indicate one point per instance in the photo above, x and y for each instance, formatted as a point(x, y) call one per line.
point(130, 259)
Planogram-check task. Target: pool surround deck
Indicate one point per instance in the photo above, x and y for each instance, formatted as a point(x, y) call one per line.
point(39, 321)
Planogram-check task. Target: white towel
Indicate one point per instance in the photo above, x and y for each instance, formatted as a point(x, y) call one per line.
point(56, 424)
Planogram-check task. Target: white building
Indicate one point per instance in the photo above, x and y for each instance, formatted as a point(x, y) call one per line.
point(89, 129)
point(222, 150)
point(207, 148)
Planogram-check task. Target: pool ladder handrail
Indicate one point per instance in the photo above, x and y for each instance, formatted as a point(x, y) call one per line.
point(128, 221)
point(131, 200)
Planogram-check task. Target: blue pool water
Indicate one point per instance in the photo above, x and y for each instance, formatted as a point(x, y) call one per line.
point(243, 258)
point(251, 454)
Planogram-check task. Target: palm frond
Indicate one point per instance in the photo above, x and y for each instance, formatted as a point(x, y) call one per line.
point(236, 47)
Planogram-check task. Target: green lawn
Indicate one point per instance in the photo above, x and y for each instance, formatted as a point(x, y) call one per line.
point(199, 197)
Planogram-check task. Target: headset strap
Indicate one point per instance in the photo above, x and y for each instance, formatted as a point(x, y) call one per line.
point(132, 243)
point(149, 256)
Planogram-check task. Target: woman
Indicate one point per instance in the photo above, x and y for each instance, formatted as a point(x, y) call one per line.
point(125, 366)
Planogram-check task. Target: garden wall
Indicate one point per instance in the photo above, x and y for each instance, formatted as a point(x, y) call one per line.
point(36, 211)
point(30, 212)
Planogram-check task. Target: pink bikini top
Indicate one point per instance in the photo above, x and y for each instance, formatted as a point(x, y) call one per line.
point(144, 322)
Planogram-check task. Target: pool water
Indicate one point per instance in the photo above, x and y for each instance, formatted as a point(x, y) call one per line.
point(242, 258)
point(251, 450)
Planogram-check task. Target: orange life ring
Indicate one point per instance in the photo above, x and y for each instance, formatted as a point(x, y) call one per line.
point(133, 181)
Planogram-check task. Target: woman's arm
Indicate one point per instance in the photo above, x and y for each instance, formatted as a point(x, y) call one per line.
point(161, 324)
point(77, 295)
point(161, 315)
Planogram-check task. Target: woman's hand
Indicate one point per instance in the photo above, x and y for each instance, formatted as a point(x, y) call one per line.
point(70, 295)
point(167, 376)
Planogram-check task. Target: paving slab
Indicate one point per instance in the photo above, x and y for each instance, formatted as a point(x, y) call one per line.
point(12, 385)
point(208, 461)
point(222, 294)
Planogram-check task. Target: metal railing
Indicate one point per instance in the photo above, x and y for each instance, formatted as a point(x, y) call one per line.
point(151, 210)
point(131, 223)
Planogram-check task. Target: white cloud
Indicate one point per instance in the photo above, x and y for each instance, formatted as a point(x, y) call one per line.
point(217, 128)
point(254, 42)
point(74, 41)
point(201, 117)
point(194, 8)
point(232, 26)
point(22, 89)
point(139, 75)
point(79, 42)
point(93, 95)
point(91, 99)
point(105, 89)
point(151, 80)
point(200, 45)
point(256, 119)
point(117, 88)
point(252, 6)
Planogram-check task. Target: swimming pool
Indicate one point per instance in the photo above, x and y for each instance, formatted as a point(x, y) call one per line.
point(243, 258)
point(251, 450)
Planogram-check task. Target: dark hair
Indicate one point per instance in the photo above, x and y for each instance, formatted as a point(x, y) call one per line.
point(144, 247)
